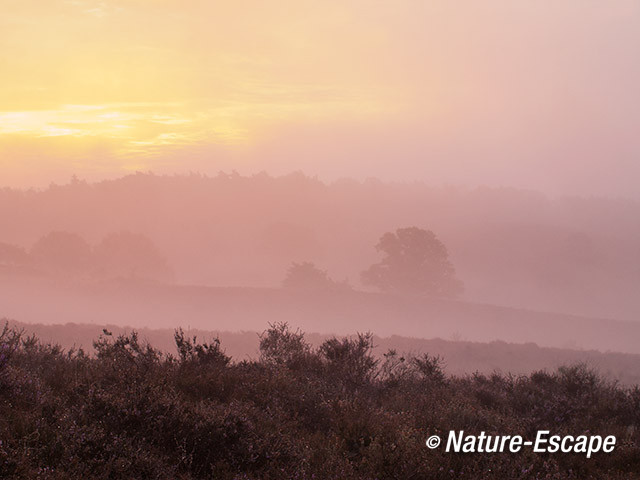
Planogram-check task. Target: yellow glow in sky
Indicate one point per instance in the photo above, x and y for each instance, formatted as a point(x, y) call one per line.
point(136, 76)
point(492, 92)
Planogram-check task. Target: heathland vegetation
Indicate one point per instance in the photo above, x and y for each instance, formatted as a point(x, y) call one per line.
point(460, 357)
point(325, 412)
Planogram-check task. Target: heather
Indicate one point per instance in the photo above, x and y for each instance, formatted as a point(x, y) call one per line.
point(333, 411)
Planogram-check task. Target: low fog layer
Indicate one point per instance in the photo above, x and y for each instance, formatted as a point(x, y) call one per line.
point(143, 305)
point(509, 247)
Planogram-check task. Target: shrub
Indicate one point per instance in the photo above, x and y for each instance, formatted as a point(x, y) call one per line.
point(335, 411)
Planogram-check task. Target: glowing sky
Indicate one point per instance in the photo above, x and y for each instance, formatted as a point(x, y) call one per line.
point(497, 92)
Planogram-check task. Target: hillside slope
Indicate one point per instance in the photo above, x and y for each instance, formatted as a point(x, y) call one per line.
point(340, 312)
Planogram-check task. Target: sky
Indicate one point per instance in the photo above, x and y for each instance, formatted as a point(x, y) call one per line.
point(533, 94)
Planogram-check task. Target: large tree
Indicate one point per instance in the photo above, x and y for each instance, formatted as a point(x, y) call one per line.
point(131, 255)
point(62, 253)
point(414, 261)
point(12, 255)
point(306, 276)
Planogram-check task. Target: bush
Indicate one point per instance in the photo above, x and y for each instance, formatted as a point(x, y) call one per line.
point(298, 412)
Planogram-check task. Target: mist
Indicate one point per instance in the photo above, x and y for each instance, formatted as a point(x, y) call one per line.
point(538, 96)
point(160, 251)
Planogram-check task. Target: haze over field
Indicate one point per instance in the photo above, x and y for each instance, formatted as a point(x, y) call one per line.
point(319, 239)
point(161, 251)
point(501, 135)
point(512, 248)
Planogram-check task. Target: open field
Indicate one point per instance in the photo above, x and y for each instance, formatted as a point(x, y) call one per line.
point(459, 357)
point(141, 305)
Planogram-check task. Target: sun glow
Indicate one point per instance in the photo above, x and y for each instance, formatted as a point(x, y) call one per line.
point(140, 83)
point(489, 92)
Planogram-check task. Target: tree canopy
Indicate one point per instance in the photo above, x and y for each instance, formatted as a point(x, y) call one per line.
point(414, 261)
point(306, 275)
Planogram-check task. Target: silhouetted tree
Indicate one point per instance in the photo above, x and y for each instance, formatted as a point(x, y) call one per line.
point(62, 252)
point(12, 255)
point(306, 275)
point(126, 254)
point(416, 262)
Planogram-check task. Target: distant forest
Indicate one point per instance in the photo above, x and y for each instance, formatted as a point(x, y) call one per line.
point(509, 247)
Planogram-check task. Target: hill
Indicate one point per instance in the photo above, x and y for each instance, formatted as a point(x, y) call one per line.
point(152, 305)
point(510, 247)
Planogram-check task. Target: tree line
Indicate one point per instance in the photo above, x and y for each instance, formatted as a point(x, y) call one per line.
point(118, 254)
point(414, 261)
